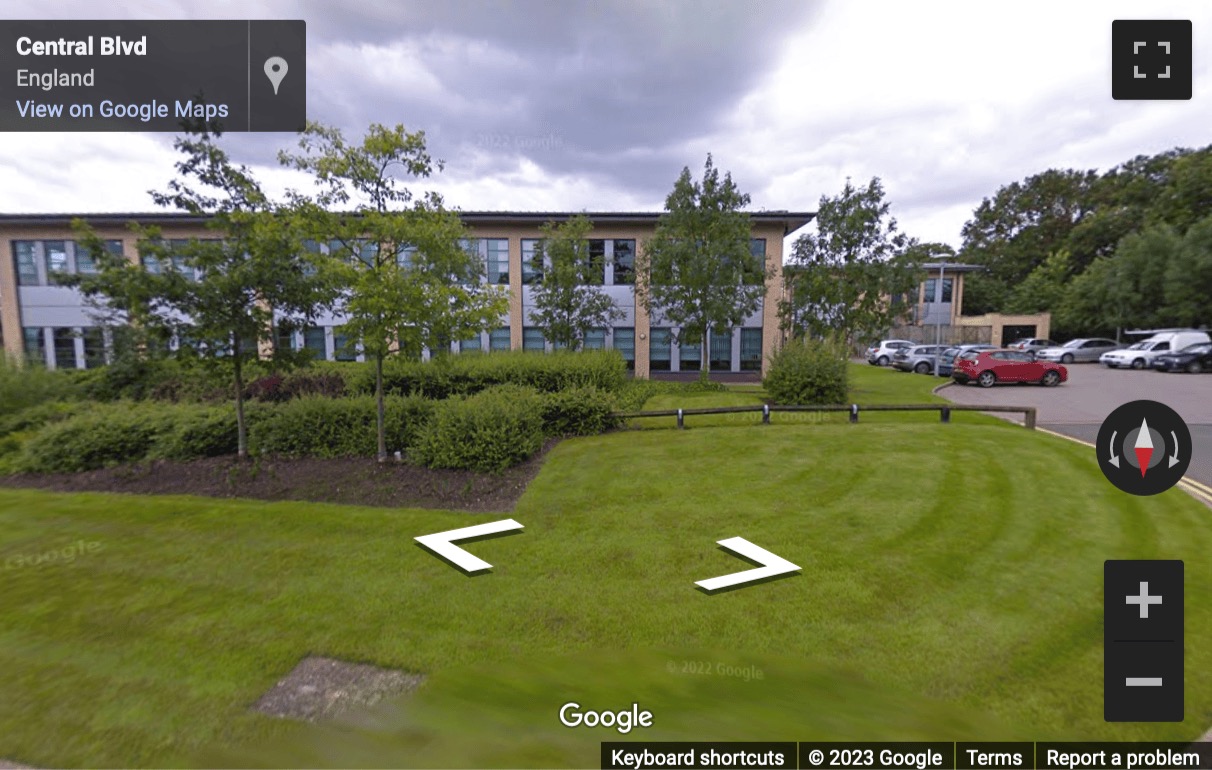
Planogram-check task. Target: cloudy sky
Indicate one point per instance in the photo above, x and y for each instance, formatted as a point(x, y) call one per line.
point(569, 105)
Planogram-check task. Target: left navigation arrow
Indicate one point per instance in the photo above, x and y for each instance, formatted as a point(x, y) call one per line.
point(441, 544)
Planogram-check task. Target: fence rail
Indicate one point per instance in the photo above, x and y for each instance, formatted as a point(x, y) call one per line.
point(944, 411)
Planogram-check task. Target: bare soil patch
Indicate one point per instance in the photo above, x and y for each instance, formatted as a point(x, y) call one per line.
point(350, 481)
point(324, 688)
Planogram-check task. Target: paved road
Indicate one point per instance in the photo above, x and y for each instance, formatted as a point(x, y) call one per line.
point(1079, 406)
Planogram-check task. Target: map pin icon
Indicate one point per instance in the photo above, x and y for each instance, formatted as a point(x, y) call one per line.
point(275, 70)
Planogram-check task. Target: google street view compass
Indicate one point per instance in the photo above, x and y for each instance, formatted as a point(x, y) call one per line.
point(1144, 447)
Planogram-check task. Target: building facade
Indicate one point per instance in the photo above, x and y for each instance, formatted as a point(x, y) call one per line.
point(52, 324)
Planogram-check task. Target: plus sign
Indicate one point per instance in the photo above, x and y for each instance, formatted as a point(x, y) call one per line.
point(1144, 600)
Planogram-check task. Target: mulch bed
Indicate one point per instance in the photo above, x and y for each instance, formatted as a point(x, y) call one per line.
point(350, 481)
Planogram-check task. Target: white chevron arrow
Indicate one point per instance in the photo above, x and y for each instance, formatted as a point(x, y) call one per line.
point(772, 565)
point(442, 543)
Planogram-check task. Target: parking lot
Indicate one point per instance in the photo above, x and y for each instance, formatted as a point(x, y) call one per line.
point(1079, 406)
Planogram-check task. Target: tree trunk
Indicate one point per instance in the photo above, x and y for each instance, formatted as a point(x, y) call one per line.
point(241, 427)
point(380, 416)
point(705, 359)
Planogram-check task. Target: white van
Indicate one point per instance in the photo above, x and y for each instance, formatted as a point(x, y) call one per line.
point(1141, 354)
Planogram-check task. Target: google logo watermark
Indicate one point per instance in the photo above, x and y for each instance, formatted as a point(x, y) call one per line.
point(65, 555)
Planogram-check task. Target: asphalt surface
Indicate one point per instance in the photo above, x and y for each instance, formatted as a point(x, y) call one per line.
point(1078, 407)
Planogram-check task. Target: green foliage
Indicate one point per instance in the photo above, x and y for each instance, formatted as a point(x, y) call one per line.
point(108, 435)
point(34, 417)
point(26, 386)
point(697, 270)
point(578, 412)
point(636, 393)
point(569, 300)
point(194, 432)
point(489, 432)
point(327, 427)
point(841, 278)
point(808, 372)
point(467, 374)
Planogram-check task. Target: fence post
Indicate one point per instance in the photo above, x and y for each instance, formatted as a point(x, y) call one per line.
point(681, 423)
point(1029, 418)
point(854, 413)
point(945, 414)
point(765, 414)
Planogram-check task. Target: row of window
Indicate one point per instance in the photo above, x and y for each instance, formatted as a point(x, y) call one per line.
point(38, 261)
point(611, 261)
point(85, 348)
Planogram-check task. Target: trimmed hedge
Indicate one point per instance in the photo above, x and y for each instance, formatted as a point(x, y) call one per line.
point(467, 374)
point(488, 432)
point(103, 436)
point(345, 427)
point(808, 372)
point(24, 386)
point(578, 412)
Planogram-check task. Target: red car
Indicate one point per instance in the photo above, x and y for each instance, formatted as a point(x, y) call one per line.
point(989, 367)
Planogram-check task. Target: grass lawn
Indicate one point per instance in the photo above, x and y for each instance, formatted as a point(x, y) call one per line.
point(951, 589)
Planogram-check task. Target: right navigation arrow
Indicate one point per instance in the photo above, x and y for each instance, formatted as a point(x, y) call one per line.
point(773, 565)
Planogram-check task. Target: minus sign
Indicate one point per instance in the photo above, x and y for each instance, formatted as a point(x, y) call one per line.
point(1167, 641)
point(1144, 681)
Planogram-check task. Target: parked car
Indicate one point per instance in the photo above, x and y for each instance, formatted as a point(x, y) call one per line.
point(1136, 356)
point(919, 358)
point(946, 361)
point(1081, 349)
point(1030, 344)
point(1194, 359)
point(880, 354)
point(989, 367)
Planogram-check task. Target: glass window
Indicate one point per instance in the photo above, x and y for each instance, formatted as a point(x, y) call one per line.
point(342, 346)
point(931, 289)
point(595, 339)
point(65, 348)
point(35, 344)
point(659, 350)
point(284, 338)
point(751, 350)
point(624, 261)
point(690, 356)
point(27, 265)
point(151, 263)
point(532, 338)
point(498, 339)
point(94, 347)
point(947, 285)
point(498, 261)
point(366, 253)
point(471, 343)
point(757, 249)
point(721, 350)
point(313, 340)
point(532, 272)
point(624, 342)
point(56, 259)
point(597, 262)
point(406, 257)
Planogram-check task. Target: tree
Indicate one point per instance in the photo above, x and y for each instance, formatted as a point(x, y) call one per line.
point(223, 294)
point(1044, 287)
point(1188, 278)
point(845, 279)
point(699, 271)
point(569, 301)
point(408, 280)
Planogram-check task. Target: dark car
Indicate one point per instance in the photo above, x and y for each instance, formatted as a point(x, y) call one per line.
point(989, 367)
point(1193, 358)
point(946, 361)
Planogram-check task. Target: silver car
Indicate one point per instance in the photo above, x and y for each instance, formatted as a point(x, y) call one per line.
point(1082, 349)
point(919, 358)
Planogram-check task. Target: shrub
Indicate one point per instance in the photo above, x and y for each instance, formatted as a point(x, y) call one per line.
point(103, 436)
point(489, 431)
point(808, 372)
point(24, 386)
point(469, 374)
point(203, 432)
point(327, 427)
point(578, 412)
point(35, 417)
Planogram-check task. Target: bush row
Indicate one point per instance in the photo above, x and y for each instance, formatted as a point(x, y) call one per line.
point(808, 372)
point(489, 431)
